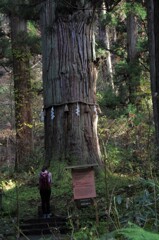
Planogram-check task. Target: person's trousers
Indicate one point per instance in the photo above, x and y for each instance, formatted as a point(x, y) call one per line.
point(45, 200)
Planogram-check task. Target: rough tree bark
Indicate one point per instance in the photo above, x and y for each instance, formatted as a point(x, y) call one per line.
point(22, 87)
point(153, 30)
point(69, 76)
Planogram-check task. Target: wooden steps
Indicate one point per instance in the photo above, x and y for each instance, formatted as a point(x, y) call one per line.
point(40, 226)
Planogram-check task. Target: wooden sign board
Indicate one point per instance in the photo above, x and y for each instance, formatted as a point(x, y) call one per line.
point(83, 183)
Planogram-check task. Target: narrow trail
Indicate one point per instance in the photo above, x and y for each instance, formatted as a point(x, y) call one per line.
point(53, 228)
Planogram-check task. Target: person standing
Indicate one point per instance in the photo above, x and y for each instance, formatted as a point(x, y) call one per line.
point(45, 181)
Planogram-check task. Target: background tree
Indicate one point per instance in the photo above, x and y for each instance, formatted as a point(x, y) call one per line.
point(134, 72)
point(24, 44)
point(6, 96)
point(153, 18)
point(22, 88)
point(103, 40)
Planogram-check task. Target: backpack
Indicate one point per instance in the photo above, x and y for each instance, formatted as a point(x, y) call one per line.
point(44, 180)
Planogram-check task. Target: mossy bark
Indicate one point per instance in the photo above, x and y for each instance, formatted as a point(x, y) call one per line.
point(22, 90)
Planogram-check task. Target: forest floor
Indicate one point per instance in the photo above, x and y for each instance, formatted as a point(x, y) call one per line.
point(122, 199)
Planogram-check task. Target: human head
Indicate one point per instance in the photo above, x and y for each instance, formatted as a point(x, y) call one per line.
point(44, 168)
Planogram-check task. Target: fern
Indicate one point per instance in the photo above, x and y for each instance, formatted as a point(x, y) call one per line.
point(132, 232)
point(137, 233)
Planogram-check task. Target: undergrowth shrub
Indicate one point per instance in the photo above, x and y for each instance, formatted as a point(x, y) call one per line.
point(132, 232)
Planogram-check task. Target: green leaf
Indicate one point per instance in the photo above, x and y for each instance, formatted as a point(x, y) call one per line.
point(119, 199)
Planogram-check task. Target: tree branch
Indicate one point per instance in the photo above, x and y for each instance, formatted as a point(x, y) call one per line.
point(5, 68)
point(111, 5)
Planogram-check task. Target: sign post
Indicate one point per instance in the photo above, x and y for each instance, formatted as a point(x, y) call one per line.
point(83, 185)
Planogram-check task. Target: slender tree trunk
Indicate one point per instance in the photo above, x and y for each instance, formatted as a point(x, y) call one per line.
point(69, 76)
point(107, 69)
point(104, 37)
point(153, 30)
point(22, 87)
point(109, 60)
point(134, 75)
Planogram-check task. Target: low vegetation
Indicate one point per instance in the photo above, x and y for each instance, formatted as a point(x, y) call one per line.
point(126, 206)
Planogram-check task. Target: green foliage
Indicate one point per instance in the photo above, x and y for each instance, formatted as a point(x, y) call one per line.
point(132, 232)
point(130, 199)
point(142, 44)
point(3, 89)
point(121, 67)
point(108, 19)
point(137, 233)
point(100, 50)
point(34, 39)
point(62, 179)
point(32, 28)
point(86, 233)
point(137, 9)
point(108, 98)
point(123, 136)
point(23, 8)
point(4, 5)
point(29, 195)
point(4, 47)
point(139, 206)
point(21, 54)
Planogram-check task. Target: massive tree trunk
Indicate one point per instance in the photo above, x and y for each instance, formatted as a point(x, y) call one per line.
point(69, 76)
point(22, 87)
point(153, 29)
